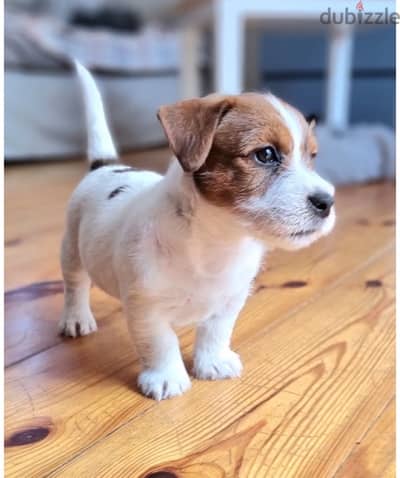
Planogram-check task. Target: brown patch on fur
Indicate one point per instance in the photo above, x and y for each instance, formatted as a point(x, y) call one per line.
point(190, 127)
point(230, 174)
point(215, 138)
point(251, 123)
point(226, 180)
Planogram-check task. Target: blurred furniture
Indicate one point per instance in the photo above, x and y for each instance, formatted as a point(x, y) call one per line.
point(44, 113)
point(230, 19)
point(137, 71)
point(140, 71)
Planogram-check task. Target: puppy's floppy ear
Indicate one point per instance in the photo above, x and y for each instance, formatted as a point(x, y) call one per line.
point(190, 127)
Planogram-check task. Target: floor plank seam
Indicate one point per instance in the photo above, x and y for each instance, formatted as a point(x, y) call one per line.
point(368, 429)
point(57, 344)
point(33, 354)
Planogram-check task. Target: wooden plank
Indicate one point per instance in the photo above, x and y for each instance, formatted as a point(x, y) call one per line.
point(314, 268)
point(32, 315)
point(374, 455)
point(308, 395)
point(36, 197)
point(79, 420)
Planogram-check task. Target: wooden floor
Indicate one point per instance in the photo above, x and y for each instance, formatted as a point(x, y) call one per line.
point(316, 398)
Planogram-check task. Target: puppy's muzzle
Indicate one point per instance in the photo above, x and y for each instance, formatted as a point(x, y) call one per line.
point(321, 203)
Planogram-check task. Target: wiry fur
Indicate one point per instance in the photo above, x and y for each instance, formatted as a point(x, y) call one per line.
point(169, 249)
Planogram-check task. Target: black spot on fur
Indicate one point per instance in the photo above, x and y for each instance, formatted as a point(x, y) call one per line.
point(125, 170)
point(294, 284)
point(99, 163)
point(373, 283)
point(120, 189)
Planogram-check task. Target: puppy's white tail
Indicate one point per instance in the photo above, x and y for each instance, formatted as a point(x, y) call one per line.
point(100, 148)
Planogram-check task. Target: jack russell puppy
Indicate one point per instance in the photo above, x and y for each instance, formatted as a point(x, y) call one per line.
point(185, 247)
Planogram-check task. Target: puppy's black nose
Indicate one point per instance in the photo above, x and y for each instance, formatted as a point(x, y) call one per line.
point(321, 203)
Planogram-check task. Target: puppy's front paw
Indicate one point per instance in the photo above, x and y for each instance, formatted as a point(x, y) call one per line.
point(160, 384)
point(77, 323)
point(225, 364)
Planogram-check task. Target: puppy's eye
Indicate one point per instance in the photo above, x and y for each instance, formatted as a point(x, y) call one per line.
point(313, 155)
point(267, 155)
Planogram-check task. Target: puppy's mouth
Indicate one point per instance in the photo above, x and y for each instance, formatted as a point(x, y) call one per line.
point(302, 233)
point(296, 234)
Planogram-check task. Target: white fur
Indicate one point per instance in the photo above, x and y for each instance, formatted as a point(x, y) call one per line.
point(293, 124)
point(168, 254)
point(100, 143)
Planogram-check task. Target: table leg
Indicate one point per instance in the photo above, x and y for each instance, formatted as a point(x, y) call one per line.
point(229, 45)
point(190, 81)
point(339, 77)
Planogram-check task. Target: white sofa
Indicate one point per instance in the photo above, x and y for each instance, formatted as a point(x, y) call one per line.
point(44, 115)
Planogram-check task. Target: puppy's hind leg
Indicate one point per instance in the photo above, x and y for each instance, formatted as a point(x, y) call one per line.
point(76, 318)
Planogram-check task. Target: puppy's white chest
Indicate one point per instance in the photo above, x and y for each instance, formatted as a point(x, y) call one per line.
point(194, 294)
point(195, 303)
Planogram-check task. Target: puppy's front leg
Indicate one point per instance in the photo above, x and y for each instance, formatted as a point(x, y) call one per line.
point(164, 374)
point(213, 357)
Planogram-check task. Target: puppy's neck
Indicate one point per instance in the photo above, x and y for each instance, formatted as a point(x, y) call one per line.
point(211, 238)
point(211, 222)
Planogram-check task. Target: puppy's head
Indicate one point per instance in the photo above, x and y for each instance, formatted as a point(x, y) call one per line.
point(254, 154)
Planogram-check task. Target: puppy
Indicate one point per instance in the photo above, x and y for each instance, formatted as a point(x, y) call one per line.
point(185, 247)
